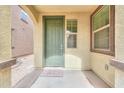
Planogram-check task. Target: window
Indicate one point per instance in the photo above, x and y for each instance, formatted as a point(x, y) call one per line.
point(23, 16)
point(72, 41)
point(72, 33)
point(72, 26)
point(102, 30)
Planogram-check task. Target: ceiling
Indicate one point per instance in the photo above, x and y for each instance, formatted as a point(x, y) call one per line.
point(65, 8)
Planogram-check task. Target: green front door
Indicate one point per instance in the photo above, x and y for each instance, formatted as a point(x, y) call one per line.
point(54, 41)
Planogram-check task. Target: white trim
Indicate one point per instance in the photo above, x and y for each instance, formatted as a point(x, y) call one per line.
point(106, 26)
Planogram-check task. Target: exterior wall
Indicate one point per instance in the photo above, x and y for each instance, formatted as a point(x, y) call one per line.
point(98, 62)
point(119, 33)
point(117, 75)
point(38, 47)
point(5, 33)
point(22, 35)
point(5, 44)
point(119, 43)
point(78, 58)
point(5, 78)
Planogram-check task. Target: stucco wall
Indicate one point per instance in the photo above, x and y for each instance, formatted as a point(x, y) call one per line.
point(5, 78)
point(119, 43)
point(5, 32)
point(113, 77)
point(22, 35)
point(98, 62)
point(5, 44)
point(38, 44)
point(119, 32)
point(77, 58)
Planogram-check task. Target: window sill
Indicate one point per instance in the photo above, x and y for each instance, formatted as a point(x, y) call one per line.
point(117, 64)
point(7, 63)
point(106, 52)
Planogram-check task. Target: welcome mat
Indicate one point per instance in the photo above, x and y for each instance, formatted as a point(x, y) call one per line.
point(52, 72)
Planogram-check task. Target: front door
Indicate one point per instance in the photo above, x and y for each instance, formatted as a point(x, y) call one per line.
point(54, 41)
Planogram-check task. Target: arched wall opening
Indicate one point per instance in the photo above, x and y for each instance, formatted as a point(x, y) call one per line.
point(23, 27)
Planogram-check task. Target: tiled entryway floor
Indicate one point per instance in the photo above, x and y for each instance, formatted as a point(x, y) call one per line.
point(70, 79)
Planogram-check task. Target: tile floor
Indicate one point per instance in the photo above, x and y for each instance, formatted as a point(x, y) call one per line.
point(70, 79)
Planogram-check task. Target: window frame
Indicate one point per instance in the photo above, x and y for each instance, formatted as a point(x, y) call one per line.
point(111, 25)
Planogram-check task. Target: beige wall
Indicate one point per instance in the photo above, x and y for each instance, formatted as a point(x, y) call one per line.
point(98, 62)
point(76, 58)
point(114, 76)
point(37, 34)
point(5, 32)
point(5, 44)
point(38, 44)
point(119, 32)
point(119, 43)
point(5, 78)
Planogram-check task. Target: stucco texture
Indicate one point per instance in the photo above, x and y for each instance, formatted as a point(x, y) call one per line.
point(98, 62)
point(5, 32)
point(5, 78)
point(119, 43)
point(5, 44)
point(22, 35)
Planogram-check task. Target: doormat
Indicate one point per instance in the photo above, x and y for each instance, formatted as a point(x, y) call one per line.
point(52, 72)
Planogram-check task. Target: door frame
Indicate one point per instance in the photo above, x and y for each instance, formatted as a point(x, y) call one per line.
point(44, 36)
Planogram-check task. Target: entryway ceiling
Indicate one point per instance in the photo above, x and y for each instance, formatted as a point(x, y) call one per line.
point(65, 8)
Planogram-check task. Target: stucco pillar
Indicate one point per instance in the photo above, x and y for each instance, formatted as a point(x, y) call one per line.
point(119, 43)
point(38, 44)
point(5, 45)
